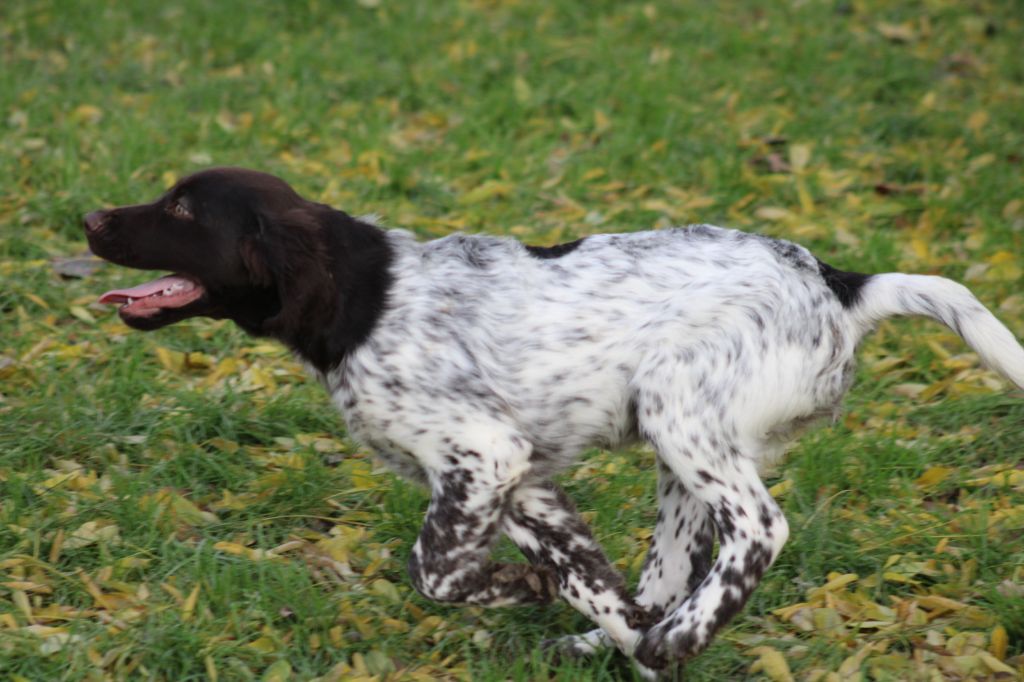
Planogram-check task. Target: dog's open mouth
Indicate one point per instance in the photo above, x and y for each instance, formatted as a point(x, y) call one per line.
point(172, 291)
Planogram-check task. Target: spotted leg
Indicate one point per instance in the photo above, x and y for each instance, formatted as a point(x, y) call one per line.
point(752, 531)
point(677, 561)
point(543, 523)
point(680, 553)
point(450, 560)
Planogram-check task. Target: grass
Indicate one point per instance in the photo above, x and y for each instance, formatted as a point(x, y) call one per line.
point(143, 478)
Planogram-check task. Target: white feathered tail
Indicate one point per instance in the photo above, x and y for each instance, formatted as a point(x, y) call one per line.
point(951, 304)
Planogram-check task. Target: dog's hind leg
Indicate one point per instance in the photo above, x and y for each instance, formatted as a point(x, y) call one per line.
point(751, 529)
point(681, 546)
point(707, 423)
point(677, 561)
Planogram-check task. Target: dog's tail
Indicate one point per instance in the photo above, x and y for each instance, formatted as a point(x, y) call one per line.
point(950, 303)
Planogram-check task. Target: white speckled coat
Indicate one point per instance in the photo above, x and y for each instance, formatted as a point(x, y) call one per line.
point(499, 366)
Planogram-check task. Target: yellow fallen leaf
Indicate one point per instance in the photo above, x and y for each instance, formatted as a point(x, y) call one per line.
point(490, 189)
point(82, 314)
point(20, 600)
point(1012, 208)
point(981, 161)
point(197, 360)
point(54, 482)
point(829, 621)
point(1005, 267)
point(211, 669)
point(698, 202)
point(224, 445)
point(190, 604)
point(933, 476)
point(522, 90)
point(92, 532)
point(257, 379)
point(37, 300)
point(395, 625)
point(278, 671)
point(839, 581)
point(994, 664)
point(849, 669)
point(172, 360)
point(55, 643)
point(28, 586)
point(231, 548)
point(998, 642)
point(786, 612)
point(772, 663)
point(897, 33)
point(1012, 478)
point(386, 589)
point(188, 512)
point(87, 113)
point(799, 157)
point(270, 349)
point(909, 390)
point(894, 577)
point(263, 644)
point(977, 120)
point(44, 630)
point(102, 600)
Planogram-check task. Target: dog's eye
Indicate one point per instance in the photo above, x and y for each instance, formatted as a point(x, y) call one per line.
point(178, 210)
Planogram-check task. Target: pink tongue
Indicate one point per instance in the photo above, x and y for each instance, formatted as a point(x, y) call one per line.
point(143, 290)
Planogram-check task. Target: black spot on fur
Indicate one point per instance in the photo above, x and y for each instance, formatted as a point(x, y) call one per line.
point(845, 285)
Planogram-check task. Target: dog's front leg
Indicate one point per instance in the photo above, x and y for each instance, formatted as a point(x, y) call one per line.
point(543, 523)
point(450, 561)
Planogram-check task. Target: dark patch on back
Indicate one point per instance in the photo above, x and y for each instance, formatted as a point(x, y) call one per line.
point(556, 251)
point(476, 252)
point(789, 252)
point(846, 286)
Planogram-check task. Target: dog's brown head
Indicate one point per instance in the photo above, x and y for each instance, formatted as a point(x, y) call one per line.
point(244, 245)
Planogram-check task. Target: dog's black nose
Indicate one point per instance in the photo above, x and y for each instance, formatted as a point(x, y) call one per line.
point(95, 221)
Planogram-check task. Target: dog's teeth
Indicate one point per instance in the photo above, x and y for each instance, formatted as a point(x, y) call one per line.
point(130, 300)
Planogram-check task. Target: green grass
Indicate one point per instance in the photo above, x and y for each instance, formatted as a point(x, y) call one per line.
point(136, 489)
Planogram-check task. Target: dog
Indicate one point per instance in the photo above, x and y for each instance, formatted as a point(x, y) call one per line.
point(481, 367)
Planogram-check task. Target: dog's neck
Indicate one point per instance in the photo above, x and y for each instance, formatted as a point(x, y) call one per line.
point(344, 296)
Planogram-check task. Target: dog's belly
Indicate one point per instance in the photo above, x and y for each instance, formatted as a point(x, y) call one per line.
point(560, 411)
point(563, 425)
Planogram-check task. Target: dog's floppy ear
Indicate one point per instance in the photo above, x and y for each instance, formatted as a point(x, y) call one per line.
point(288, 254)
point(251, 252)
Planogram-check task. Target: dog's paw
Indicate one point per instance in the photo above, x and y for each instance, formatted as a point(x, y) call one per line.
point(651, 649)
point(668, 642)
point(576, 646)
point(653, 675)
point(595, 643)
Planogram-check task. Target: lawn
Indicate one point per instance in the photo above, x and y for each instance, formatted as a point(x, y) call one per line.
point(184, 505)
